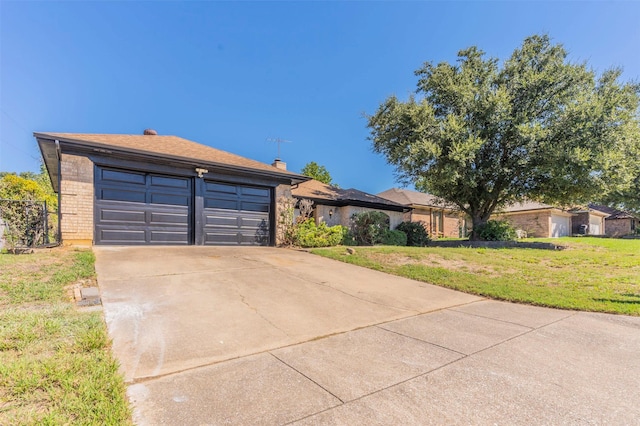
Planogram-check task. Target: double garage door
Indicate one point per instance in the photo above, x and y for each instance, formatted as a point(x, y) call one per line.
point(148, 208)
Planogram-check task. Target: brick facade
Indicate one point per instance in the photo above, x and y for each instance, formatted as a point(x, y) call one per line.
point(535, 224)
point(620, 227)
point(76, 206)
point(450, 226)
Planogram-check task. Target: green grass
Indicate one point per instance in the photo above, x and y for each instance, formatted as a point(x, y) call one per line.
point(592, 274)
point(56, 367)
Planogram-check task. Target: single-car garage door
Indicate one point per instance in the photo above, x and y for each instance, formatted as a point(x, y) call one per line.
point(142, 208)
point(235, 214)
point(560, 225)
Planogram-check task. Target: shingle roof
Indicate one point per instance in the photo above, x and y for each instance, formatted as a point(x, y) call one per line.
point(527, 205)
point(613, 213)
point(407, 197)
point(317, 190)
point(165, 146)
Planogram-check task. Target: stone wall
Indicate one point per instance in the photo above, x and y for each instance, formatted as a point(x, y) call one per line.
point(76, 206)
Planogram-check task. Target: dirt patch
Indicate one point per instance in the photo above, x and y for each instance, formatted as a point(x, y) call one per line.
point(433, 261)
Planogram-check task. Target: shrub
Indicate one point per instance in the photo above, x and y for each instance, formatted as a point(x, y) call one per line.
point(394, 238)
point(308, 234)
point(367, 228)
point(496, 230)
point(416, 234)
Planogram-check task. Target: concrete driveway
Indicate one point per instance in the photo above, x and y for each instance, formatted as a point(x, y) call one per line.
point(215, 335)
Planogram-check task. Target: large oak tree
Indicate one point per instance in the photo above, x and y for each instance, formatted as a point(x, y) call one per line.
point(482, 134)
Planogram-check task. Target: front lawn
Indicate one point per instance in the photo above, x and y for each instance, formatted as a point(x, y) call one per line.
point(592, 274)
point(56, 367)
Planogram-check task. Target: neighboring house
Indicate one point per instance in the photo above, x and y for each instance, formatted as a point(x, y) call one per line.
point(537, 219)
point(149, 189)
point(335, 206)
point(439, 221)
point(588, 221)
point(618, 222)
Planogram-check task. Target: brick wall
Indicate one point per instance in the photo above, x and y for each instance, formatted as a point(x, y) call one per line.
point(281, 191)
point(450, 227)
point(618, 227)
point(577, 221)
point(76, 206)
point(536, 224)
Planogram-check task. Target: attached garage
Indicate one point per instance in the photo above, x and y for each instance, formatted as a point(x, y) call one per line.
point(158, 190)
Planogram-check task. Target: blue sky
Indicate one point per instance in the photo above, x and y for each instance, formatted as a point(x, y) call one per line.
point(232, 74)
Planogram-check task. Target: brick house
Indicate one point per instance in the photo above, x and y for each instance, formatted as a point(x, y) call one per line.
point(150, 189)
point(618, 223)
point(537, 219)
point(335, 206)
point(439, 221)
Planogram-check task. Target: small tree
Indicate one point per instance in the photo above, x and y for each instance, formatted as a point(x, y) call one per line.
point(320, 173)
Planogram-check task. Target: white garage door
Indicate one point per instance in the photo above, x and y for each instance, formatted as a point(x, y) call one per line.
point(595, 227)
point(560, 226)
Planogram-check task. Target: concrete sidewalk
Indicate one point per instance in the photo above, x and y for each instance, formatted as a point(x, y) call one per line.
point(271, 336)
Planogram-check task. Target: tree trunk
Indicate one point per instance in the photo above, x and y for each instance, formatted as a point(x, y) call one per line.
point(477, 220)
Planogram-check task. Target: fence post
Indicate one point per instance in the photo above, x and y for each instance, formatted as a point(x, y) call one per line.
point(46, 223)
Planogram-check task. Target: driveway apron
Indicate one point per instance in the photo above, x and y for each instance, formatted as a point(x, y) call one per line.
point(255, 335)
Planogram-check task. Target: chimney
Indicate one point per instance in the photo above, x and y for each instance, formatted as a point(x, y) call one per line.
point(150, 132)
point(279, 164)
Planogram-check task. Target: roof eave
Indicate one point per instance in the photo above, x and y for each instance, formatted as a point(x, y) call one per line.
point(295, 178)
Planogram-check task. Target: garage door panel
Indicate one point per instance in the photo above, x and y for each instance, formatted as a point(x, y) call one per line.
point(112, 215)
point(164, 237)
point(169, 182)
point(121, 194)
point(261, 192)
point(121, 235)
point(255, 207)
point(109, 175)
point(212, 203)
point(161, 218)
point(170, 199)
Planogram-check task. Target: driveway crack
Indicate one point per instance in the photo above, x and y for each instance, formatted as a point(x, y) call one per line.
point(243, 299)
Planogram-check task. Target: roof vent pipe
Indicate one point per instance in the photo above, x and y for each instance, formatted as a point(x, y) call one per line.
point(150, 132)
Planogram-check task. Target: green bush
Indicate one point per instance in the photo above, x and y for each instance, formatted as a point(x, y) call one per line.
point(496, 230)
point(308, 234)
point(416, 234)
point(394, 238)
point(367, 228)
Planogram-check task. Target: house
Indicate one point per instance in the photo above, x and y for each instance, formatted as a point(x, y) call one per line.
point(335, 206)
point(537, 219)
point(618, 222)
point(588, 221)
point(151, 189)
point(438, 220)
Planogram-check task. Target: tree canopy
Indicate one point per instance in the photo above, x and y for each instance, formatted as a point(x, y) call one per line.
point(318, 172)
point(481, 134)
